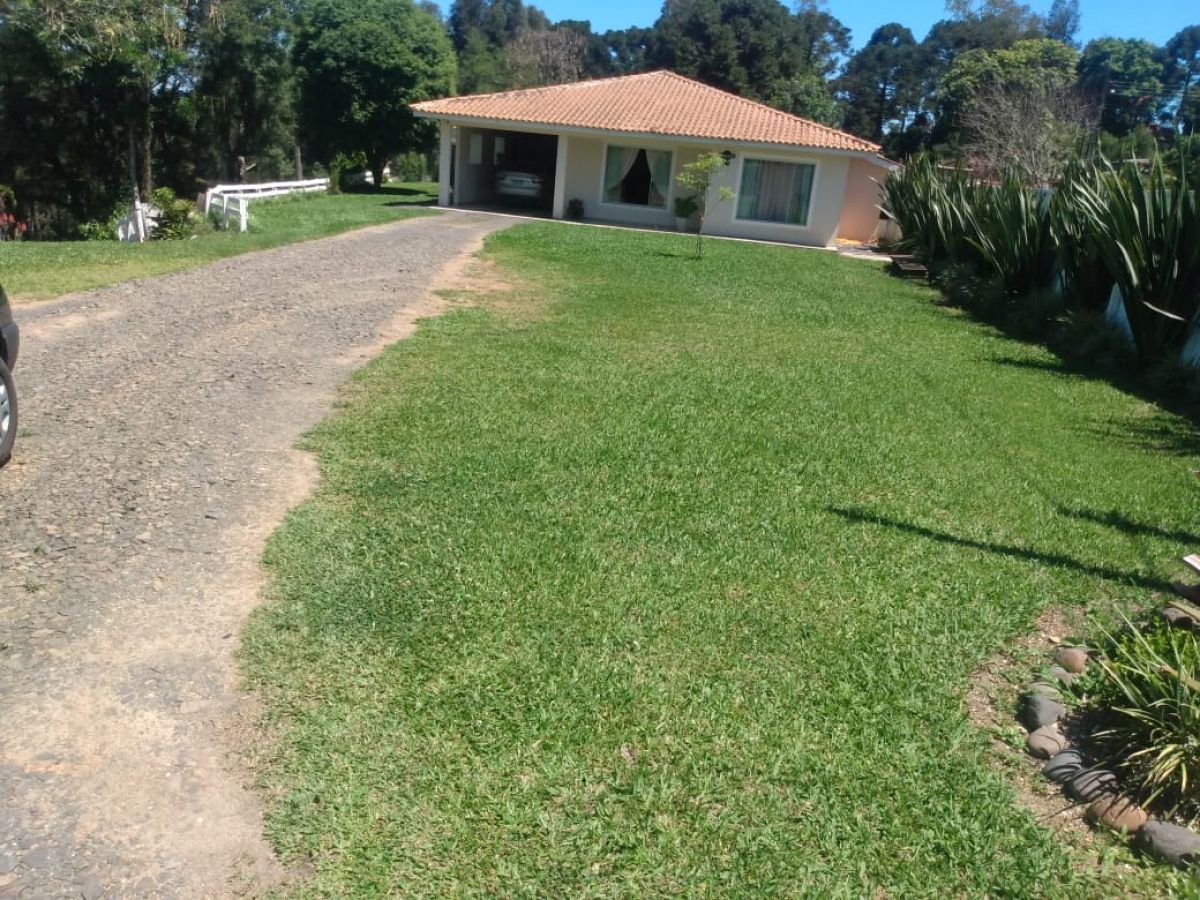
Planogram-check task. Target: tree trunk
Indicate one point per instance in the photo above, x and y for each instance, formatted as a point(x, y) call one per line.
point(378, 163)
point(299, 163)
point(147, 169)
point(133, 167)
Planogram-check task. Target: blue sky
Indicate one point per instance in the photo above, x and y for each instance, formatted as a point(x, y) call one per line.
point(1154, 20)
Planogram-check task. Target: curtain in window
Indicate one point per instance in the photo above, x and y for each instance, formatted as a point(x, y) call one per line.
point(616, 166)
point(660, 176)
point(775, 191)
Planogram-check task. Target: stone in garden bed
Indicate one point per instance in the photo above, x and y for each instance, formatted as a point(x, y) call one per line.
point(1118, 813)
point(1072, 659)
point(1177, 845)
point(1091, 784)
point(1178, 618)
point(1063, 766)
point(1046, 741)
point(1061, 675)
point(1038, 710)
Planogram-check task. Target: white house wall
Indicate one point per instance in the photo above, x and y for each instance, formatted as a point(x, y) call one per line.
point(843, 202)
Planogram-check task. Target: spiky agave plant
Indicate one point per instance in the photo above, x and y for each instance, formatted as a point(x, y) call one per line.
point(1148, 696)
point(1086, 282)
point(929, 204)
point(1147, 233)
point(1009, 225)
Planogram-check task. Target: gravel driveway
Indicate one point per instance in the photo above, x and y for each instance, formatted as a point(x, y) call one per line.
point(154, 459)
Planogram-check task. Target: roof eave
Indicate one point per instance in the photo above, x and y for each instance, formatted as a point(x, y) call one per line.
point(550, 128)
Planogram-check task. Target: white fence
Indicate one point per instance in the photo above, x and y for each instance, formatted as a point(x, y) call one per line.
point(233, 200)
point(138, 224)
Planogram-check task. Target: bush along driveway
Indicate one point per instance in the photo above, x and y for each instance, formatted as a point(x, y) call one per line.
point(155, 458)
point(664, 575)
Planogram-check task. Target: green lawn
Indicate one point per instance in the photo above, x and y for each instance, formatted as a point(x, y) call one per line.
point(37, 270)
point(670, 577)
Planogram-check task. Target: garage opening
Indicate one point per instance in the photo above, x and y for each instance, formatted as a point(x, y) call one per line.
point(506, 170)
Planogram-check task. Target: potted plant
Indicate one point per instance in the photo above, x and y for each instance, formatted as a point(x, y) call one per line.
point(685, 208)
point(575, 209)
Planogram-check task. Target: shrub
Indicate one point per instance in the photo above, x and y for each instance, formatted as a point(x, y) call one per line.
point(1008, 224)
point(1147, 233)
point(930, 204)
point(1147, 698)
point(1085, 281)
point(409, 166)
point(178, 218)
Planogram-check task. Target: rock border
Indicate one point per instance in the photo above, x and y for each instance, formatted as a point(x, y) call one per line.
point(1042, 712)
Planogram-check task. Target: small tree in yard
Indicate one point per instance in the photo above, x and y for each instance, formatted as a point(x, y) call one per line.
point(697, 176)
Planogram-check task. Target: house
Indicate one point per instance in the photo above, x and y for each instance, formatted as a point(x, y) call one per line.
point(616, 145)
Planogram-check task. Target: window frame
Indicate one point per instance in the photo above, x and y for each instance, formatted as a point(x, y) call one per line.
point(649, 208)
point(793, 160)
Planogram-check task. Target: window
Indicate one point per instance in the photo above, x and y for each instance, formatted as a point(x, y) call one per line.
point(637, 176)
point(776, 191)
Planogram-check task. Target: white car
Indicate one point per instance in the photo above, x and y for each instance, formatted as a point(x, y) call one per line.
point(516, 183)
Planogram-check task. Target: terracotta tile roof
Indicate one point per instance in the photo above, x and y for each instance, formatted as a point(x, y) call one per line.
point(651, 103)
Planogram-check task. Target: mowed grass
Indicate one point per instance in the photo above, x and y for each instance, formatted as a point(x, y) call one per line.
point(32, 270)
point(669, 576)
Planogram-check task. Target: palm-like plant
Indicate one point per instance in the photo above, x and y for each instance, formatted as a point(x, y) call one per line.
point(1149, 695)
point(1009, 225)
point(1147, 233)
point(1085, 280)
point(930, 205)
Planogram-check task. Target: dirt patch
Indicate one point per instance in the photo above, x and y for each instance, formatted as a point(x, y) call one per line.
point(991, 704)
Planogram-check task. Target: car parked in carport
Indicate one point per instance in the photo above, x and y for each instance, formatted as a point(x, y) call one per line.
point(10, 343)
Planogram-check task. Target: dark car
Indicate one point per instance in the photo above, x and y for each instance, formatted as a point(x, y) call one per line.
point(10, 343)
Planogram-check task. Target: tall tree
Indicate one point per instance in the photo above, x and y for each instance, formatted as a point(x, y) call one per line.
point(363, 62)
point(245, 86)
point(144, 47)
point(1062, 22)
point(1124, 76)
point(743, 46)
point(1183, 77)
point(882, 82)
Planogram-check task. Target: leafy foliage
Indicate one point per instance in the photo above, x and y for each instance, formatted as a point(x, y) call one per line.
point(1147, 697)
point(364, 62)
point(1009, 225)
point(1147, 233)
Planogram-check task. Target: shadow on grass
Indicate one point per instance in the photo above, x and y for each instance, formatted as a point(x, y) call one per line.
point(1126, 525)
point(1058, 560)
point(1159, 433)
point(411, 204)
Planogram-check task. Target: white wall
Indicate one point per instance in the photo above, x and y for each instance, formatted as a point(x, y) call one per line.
point(585, 181)
point(843, 195)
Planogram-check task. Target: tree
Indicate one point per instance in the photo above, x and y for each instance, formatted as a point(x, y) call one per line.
point(743, 46)
point(546, 57)
point(1030, 130)
point(142, 47)
point(882, 82)
point(1125, 77)
point(807, 96)
point(697, 177)
point(1183, 76)
point(363, 62)
point(482, 68)
point(244, 90)
point(1062, 22)
point(1036, 72)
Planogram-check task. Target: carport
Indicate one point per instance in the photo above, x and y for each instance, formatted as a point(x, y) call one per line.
point(502, 169)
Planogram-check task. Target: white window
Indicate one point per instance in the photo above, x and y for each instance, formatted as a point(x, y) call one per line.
point(776, 191)
point(637, 176)
point(476, 149)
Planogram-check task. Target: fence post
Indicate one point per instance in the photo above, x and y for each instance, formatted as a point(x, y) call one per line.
point(243, 210)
